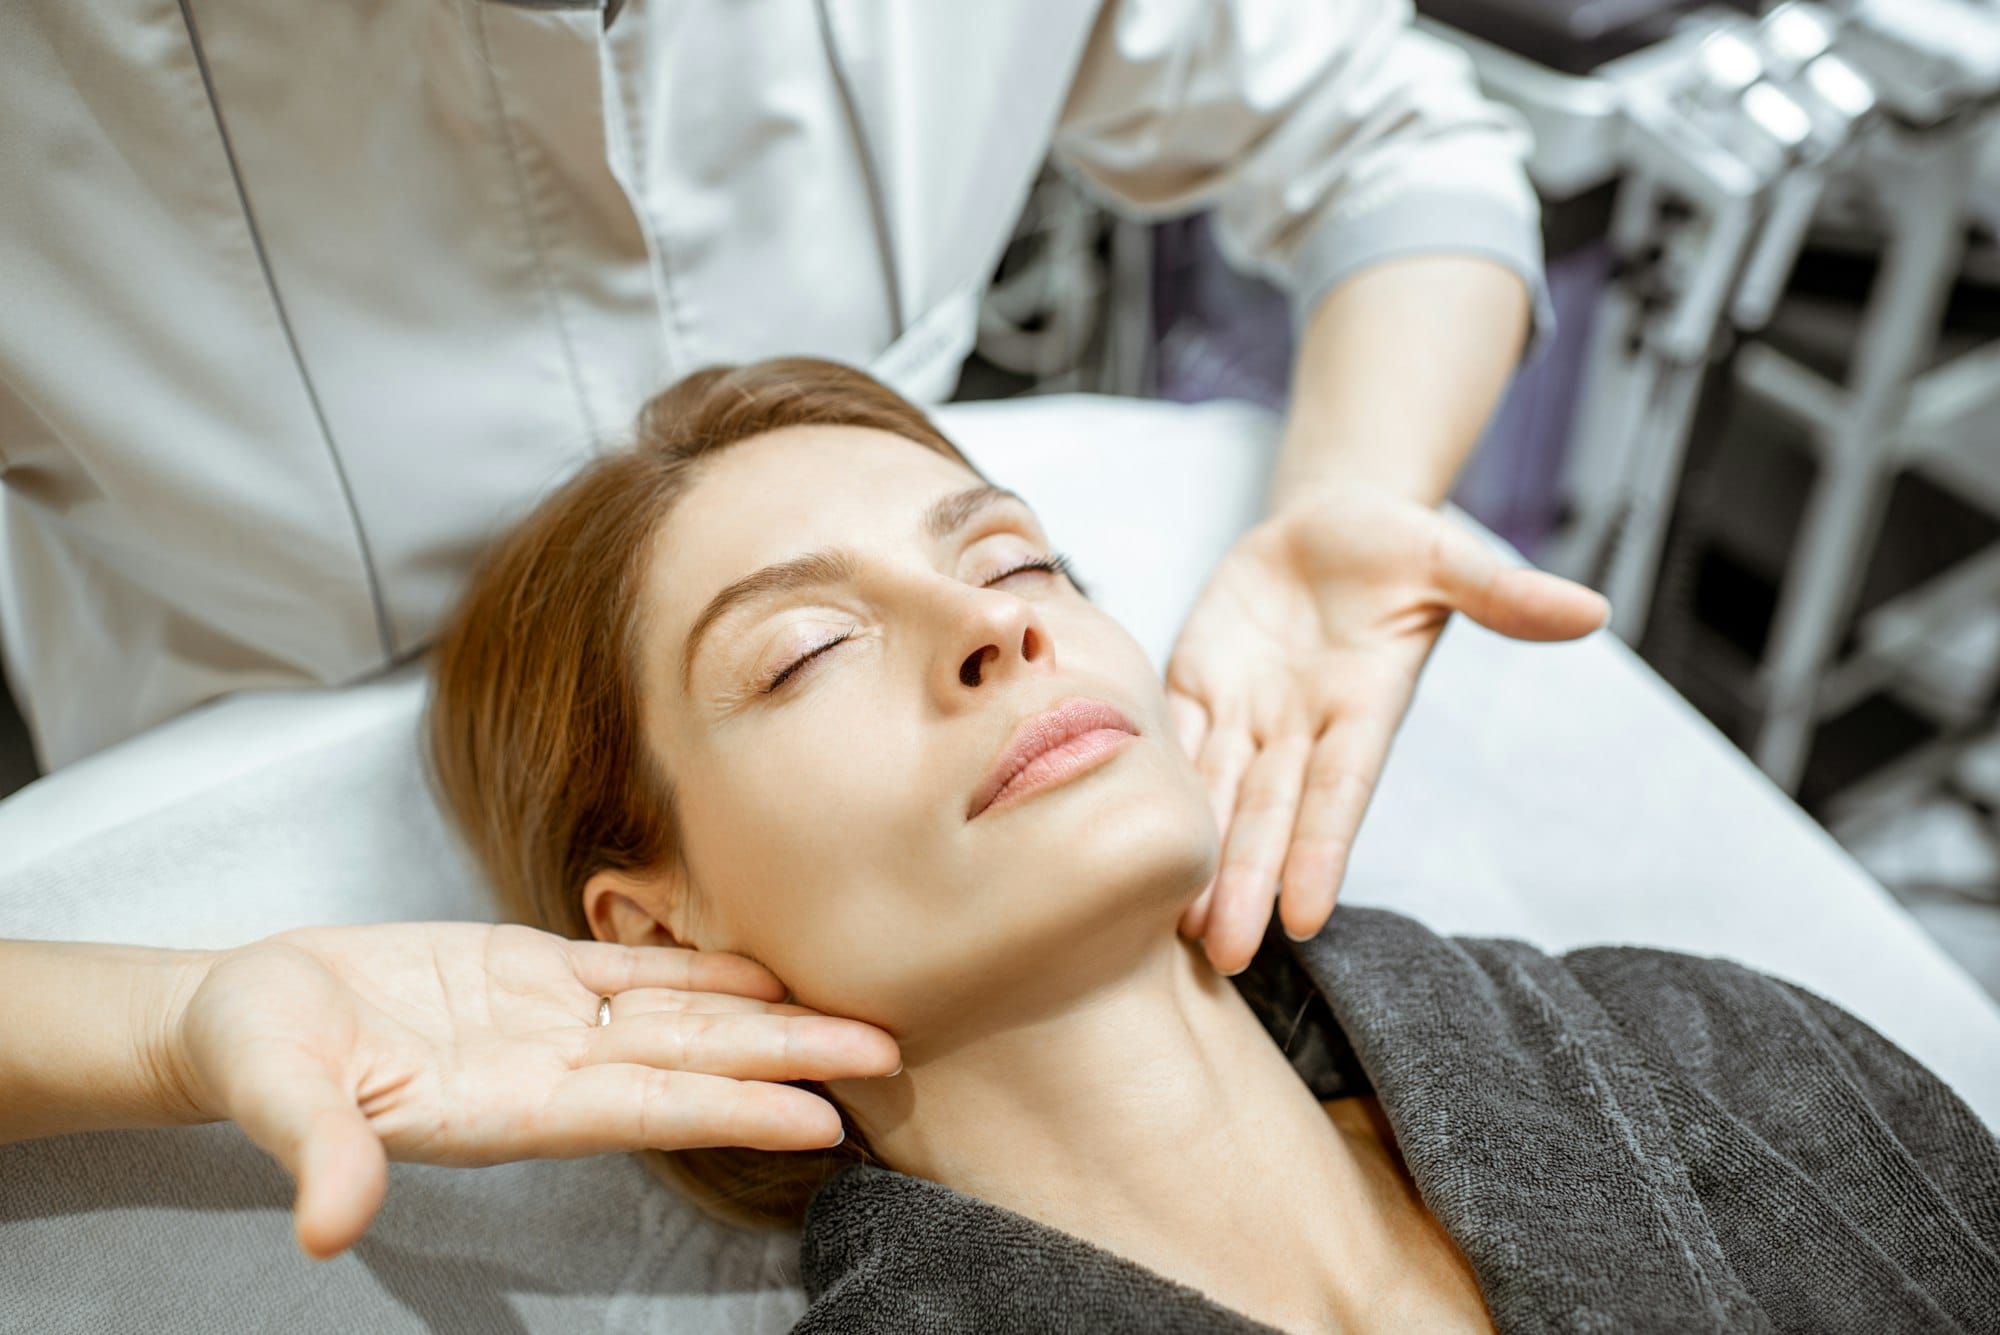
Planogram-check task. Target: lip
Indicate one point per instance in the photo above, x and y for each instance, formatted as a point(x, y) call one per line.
point(1077, 717)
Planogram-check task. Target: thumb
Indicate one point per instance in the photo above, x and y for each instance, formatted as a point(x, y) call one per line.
point(309, 1122)
point(1536, 605)
point(1517, 601)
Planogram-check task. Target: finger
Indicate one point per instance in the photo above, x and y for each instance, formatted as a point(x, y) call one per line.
point(750, 1047)
point(665, 1000)
point(1248, 882)
point(1341, 776)
point(1190, 721)
point(1194, 918)
point(604, 1109)
point(346, 1177)
point(1225, 755)
point(1242, 900)
point(1536, 605)
point(306, 1119)
point(608, 968)
point(1517, 601)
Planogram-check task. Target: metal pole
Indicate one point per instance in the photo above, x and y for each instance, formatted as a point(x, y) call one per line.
point(1858, 455)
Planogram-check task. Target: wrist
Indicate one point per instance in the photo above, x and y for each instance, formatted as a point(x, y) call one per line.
point(1298, 497)
point(178, 1096)
point(82, 1029)
point(1310, 467)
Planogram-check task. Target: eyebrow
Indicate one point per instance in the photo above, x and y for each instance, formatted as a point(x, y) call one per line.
point(832, 565)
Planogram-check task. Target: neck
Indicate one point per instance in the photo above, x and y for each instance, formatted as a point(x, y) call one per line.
point(1160, 1090)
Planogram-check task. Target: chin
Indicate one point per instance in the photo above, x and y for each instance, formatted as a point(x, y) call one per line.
point(1078, 881)
point(1153, 836)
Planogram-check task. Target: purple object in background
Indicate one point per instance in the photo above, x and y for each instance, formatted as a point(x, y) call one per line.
point(1221, 334)
point(1513, 482)
point(1217, 334)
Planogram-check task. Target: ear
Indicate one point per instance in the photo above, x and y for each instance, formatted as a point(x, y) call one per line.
point(638, 908)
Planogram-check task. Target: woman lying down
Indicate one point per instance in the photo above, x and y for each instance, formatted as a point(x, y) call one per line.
point(1380, 1129)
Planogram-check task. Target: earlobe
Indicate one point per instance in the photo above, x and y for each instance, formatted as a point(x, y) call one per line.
point(632, 909)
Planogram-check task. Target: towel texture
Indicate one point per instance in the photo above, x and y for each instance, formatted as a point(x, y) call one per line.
point(1618, 1138)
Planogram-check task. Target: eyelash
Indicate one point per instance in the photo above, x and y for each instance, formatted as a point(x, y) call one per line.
point(1056, 563)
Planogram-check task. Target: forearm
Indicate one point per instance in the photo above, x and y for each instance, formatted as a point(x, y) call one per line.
point(81, 1033)
point(1397, 373)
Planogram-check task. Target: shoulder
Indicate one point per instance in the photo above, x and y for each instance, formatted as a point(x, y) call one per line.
point(1369, 937)
point(1712, 1035)
point(1715, 1020)
point(1693, 1015)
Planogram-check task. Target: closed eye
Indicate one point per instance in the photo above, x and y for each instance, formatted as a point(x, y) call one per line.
point(807, 657)
point(1055, 563)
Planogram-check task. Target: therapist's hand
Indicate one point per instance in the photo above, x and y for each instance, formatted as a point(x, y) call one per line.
point(339, 1048)
point(1295, 669)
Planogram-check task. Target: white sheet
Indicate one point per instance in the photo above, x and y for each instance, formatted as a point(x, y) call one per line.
point(1558, 793)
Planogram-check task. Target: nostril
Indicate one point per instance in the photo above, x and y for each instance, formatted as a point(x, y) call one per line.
point(968, 671)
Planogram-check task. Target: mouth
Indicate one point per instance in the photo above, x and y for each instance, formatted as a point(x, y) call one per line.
point(1048, 749)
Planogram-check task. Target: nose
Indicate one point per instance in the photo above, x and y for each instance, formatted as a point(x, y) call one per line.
point(998, 635)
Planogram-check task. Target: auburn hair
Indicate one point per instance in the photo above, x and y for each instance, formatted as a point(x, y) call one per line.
point(533, 724)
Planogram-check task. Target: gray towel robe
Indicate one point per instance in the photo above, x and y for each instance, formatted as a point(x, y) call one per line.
point(1620, 1139)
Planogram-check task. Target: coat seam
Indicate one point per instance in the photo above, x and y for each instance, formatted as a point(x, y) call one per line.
point(537, 249)
point(676, 335)
point(878, 211)
point(384, 634)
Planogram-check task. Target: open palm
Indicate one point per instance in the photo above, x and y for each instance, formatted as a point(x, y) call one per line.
point(1293, 673)
point(339, 1048)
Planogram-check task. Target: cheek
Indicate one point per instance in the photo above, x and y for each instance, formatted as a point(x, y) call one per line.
point(1179, 794)
point(1123, 659)
point(795, 849)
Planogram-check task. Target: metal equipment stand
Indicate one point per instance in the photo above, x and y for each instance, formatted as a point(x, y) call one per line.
point(1725, 137)
point(1858, 430)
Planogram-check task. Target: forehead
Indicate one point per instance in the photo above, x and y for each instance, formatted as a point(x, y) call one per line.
point(781, 493)
point(777, 495)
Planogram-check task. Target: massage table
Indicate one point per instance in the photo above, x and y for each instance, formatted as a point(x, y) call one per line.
point(1557, 793)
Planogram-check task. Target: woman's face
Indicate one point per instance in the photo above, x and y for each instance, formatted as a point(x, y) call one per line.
point(825, 821)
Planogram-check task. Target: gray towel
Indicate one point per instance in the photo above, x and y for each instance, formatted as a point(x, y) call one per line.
point(1618, 1138)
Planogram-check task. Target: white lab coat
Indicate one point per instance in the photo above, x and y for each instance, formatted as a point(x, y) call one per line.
point(300, 301)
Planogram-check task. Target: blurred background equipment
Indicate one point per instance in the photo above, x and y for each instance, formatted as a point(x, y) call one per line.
point(1769, 425)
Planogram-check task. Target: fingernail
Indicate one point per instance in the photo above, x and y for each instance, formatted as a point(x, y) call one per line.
point(843, 1136)
point(898, 1070)
point(1307, 937)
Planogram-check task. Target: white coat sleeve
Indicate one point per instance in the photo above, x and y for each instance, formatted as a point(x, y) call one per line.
point(1327, 136)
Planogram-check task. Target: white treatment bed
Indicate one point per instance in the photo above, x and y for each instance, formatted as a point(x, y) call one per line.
point(1559, 793)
